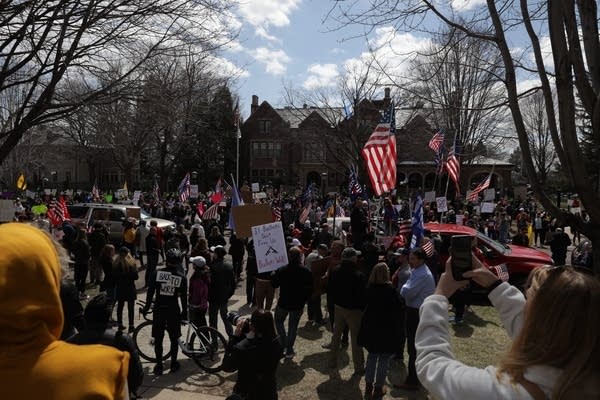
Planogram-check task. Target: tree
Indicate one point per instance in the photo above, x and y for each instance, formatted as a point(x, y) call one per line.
point(572, 31)
point(45, 44)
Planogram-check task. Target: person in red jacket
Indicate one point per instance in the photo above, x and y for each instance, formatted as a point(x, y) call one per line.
point(198, 291)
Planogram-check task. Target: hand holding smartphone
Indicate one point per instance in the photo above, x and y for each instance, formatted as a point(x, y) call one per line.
point(460, 251)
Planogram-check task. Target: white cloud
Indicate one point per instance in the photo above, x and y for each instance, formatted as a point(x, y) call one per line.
point(225, 68)
point(526, 84)
point(465, 5)
point(262, 32)
point(546, 49)
point(263, 14)
point(337, 50)
point(321, 75)
point(275, 60)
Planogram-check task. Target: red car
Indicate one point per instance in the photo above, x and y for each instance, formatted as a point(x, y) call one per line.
point(519, 260)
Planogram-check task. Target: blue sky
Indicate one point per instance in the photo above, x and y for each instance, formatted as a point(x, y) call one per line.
point(287, 42)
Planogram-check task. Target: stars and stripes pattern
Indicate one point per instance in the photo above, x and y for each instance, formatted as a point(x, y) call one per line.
point(212, 212)
point(501, 271)
point(474, 195)
point(428, 248)
point(404, 226)
point(437, 141)
point(379, 153)
point(453, 166)
point(185, 188)
point(354, 187)
point(276, 211)
point(304, 214)
point(58, 212)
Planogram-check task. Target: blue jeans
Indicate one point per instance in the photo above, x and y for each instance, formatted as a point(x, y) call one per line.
point(376, 368)
point(287, 341)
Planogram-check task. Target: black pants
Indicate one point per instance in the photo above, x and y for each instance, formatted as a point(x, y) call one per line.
point(198, 316)
point(237, 265)
point(130, 312)
point(81, 271)
point(151, 266)
point(169, 320)
point(250, 281)
point(412, 322)
point(213, 310)
point(541, 234)
point(314, 309)
point(402, 337)
point(459, 300)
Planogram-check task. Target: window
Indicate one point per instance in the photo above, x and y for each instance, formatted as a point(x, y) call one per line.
point(266, 150)
point(264, 126)
point(313, 153)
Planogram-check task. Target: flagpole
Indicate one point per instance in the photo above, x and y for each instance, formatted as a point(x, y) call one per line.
point(237, 158)
point(448, 181)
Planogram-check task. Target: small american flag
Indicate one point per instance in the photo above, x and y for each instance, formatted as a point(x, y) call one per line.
point(95, 192)
point(474, 195)
point(354, 188)
point(502, 271)
point(304, 215)
point(453, 166)
point(185, 188)
point(58, 212)
point(404, 226)
point(428, 248)
point(212, 212)
point(276, 211)
point(437, 141)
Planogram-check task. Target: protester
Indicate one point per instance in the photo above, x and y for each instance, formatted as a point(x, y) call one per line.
point(347, 285)
point(105, 261)
point(521, 238)
point(236, 250)
point(153, 250)
point(216, 238)
point(98, 238)
point(222, 287)
point(198, 291)
point(295, 287)
point(254, 351)
point(34, 364)
point(380, 329)
point(337, 247)
point(315, 313)
point(170, 286)
point(251, 273)
point(141, 233)
point(72, 309)
point(97, 331)
point(398, 280)
point(558, 245)
point(81, 254)
point(125, 274)
point(554, 355)
point(419, 285)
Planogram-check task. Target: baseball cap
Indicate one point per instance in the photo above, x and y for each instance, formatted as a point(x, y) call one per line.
point(198, 261)
point(350, 252)
point(218, 249)
point(401, 251)
point(296, 242)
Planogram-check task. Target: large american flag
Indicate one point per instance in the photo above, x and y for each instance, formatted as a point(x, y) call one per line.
point(437, 141)
point(58, 212)
point(379, 153)
point(453, 166)
point(185, 188)
point(474, 195)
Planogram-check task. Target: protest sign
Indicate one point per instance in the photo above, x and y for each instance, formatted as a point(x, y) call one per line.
point(194, 191)
point(255, 187)
point(269, 246)
point(442, 204)
point(489, 194)
point(429, 197)
point(460, 219)
point(249, 215)
point(136, 197)
point(7, 210)
point(487, 207)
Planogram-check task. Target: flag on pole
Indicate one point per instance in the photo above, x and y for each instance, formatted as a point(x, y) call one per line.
point(185, 188)
point(218, 194)
point(21, 183)
point(474, 195)
point(309, 193)
point(437, 141)
point(404, 226)
point(379, 153)
point(418, 226)
point(212, 212)
point(95, 192)
point(304, 214)
point(428, 248)
point(236, 201)
point(276, 210)
point(58, 212)
point(453, 165)
point(354, 187)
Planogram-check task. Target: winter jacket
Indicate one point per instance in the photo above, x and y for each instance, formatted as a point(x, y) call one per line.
point(296, 284)
point(380, 327)
point(222, 282)
point(347, 286)
point(124, 283)
point(198, 290)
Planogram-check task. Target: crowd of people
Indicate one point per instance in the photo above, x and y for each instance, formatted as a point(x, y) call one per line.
point(382, 299)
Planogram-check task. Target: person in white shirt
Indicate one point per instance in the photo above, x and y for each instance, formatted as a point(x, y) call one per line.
point(555, 348)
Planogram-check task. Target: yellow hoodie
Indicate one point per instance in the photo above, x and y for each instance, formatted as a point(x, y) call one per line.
point(34, 364)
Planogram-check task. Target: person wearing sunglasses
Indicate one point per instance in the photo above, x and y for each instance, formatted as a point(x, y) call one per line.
point(555, 331)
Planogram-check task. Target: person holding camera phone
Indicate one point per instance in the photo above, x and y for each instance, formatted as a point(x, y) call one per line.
point(254, 351)
point(554, 354)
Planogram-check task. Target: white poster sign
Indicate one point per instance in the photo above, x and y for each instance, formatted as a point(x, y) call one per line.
point(442, 204)
point(255, 187)
point(7, 210)
point(487, 207)
point(429, 197)
point(194, 191)
point(489, 194)
point(69, 192)
point(269, 245)
point(460, 219)
point(575, 210)
point(48, 191)
point(136, 197)
point(29, 194)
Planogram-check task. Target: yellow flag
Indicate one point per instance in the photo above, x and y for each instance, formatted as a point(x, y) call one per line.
point(21, 184)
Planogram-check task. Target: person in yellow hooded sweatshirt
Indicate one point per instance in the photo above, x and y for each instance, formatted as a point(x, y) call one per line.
point(34, 364)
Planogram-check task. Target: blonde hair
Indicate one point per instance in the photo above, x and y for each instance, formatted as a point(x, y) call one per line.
point(561, 328)
point(124, 262)
point(380, 274)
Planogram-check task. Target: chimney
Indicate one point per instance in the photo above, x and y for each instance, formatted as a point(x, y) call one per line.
point(387, 93)
point(254, 105)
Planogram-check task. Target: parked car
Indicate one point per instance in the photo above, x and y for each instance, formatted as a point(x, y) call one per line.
point(112, 216)
point(519, 260)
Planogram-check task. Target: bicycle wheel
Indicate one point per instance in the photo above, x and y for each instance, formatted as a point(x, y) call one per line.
point(144, 342)
point(207, 348)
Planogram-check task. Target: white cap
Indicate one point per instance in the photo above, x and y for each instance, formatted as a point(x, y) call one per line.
point(198, 261)
point(296, 242)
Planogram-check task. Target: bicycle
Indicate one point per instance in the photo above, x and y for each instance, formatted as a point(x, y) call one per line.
point(203, 344)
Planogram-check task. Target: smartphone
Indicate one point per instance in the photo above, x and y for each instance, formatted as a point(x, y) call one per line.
point(460, 251)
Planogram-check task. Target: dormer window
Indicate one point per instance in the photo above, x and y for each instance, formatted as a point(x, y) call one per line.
point(264, 126)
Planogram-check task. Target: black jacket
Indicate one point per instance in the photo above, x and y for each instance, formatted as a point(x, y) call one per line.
point(295, 283)
point(72, 310)
point(222, 282)
point(109, 337)
point(347, 286)
point(124, 284)
point(256, 361)
point(380, 327)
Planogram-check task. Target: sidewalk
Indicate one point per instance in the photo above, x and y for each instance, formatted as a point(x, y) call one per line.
point(172, 394)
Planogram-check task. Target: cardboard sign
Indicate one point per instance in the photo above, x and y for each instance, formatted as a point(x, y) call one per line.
point(194, 191)
point(133, 212)
point(249, 215)
point(136, 197)
point(442, 204)
point(488, 207)
point(7, 210)
point(269, 245)
point(429, 197)
point(246, 195)
point(255, 187)
point(460, 219)
point(489, 194)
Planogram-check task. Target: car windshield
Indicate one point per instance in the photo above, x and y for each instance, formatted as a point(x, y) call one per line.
point(497, 246)
point(143, 215)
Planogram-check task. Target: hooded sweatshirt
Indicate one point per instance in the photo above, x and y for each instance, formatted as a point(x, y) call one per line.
point(34, 364)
